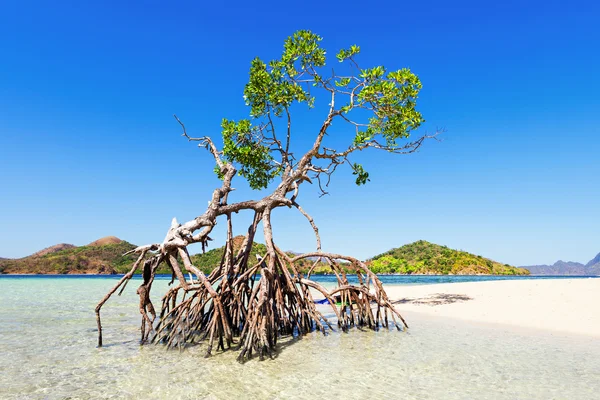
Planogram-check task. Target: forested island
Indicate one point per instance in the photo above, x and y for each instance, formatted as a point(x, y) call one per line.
point(422, 257)
point(103, 256)
point(106, 256)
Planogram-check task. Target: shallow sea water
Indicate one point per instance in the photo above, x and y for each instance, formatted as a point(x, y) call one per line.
point(48, 351)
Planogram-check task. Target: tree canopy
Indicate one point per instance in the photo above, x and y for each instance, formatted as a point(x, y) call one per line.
point(378, 105)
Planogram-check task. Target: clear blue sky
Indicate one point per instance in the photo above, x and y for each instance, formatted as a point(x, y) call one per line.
point(89, 148)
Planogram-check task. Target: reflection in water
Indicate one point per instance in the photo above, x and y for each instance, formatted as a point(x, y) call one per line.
point(48, 336)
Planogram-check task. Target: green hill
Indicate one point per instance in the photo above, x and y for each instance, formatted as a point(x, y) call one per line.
point(105, 256)
point(427, 258)
point(68, 259)
point(207, 261)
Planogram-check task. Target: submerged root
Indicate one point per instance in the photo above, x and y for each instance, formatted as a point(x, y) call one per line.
point(249, 307)
point(246, 305)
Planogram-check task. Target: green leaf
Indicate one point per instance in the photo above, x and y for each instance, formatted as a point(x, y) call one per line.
point(362, 176)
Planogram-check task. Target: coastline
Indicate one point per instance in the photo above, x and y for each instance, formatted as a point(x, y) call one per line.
point(565, 306)
point(562, 305)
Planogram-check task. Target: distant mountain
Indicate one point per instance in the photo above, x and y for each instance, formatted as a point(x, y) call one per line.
point(423, 257)
point(593, 269)
point(567, 268)
point(558, 268)
point(53, 249)
point(106, 240)
point(103, 256)
point(594, 261)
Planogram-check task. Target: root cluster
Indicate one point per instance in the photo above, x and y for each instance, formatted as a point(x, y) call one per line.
point(248, 305)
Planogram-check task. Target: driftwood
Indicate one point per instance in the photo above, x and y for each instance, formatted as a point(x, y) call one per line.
point(249, 304)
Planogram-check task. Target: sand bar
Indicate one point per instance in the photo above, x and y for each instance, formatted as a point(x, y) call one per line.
point(559, 305)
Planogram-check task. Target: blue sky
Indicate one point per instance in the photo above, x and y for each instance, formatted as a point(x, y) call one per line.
point(89, 147)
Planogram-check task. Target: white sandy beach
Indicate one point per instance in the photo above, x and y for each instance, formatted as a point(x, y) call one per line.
point(558, 305)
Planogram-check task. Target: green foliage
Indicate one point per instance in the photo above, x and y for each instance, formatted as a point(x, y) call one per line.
point(427, 258)
point(346, 54)
point(274, 87)
point(393, 99)
point(343, 82)
point(385, 265)
point(362, 176)
point(270, 89)
point(241, 147)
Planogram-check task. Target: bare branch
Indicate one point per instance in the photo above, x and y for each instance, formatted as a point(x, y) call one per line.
point(312, 223)
point(206, 143)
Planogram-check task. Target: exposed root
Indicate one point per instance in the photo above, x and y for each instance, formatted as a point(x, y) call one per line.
point(249, 307)
point(246, 304)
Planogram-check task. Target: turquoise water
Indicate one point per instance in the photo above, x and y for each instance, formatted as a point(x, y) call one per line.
point(430, 279)
point(48, 338)
point(386, 279)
